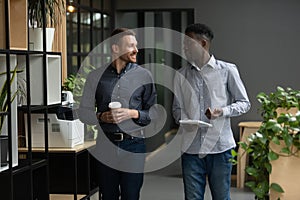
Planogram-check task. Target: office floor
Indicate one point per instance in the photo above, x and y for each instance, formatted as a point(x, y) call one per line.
point(166, 184)
point(158, 187)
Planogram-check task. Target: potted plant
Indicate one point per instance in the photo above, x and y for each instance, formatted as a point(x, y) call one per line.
point(278, 136)
point(53, 10)
point(69, 83)
point(4, 103)
point(75, 84)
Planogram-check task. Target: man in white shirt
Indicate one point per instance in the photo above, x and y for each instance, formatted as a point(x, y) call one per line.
point(212, 91)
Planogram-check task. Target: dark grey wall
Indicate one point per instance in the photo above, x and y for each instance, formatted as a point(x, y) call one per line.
point(261, 37)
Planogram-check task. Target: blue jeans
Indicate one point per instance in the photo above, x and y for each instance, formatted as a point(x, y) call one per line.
point(216, 168)
point(115, 183)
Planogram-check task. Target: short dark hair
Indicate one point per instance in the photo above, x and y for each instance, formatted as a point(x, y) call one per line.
point(118, 33)
point(200, 29)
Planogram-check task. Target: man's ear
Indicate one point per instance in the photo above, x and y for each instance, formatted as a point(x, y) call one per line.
point(204, 43)
point(115, 48)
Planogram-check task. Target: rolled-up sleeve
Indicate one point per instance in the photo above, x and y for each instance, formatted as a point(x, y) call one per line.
point(239, 98)
point(149, 99)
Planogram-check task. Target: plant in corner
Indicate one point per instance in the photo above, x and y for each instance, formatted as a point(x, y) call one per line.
point(279, 129)
point(75, 84)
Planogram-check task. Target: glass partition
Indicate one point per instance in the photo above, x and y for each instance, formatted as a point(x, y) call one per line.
point(88, 24)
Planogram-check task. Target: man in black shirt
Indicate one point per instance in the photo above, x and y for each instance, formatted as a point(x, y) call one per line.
point(120, 143)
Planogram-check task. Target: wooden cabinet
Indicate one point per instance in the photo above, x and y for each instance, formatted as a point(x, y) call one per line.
point(285, 172)
point(26, 178)
point(18, 30)
point(2, 24)
point(72, 171)
point(246, 129)
point(17, 24)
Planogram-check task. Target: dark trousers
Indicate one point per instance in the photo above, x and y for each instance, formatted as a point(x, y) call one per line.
point(122, 180)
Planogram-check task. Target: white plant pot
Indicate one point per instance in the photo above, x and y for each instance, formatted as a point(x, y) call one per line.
point(36, 39)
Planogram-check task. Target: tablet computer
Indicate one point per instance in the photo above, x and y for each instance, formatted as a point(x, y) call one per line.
point(195, 122)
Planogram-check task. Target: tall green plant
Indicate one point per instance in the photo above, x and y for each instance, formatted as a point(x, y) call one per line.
point(275, 128)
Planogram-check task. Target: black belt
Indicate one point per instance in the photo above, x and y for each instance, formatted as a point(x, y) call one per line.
point(118, 137)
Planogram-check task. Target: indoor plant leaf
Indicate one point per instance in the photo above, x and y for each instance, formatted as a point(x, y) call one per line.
point(276, 187)
point(276, 140)
point(272, 155)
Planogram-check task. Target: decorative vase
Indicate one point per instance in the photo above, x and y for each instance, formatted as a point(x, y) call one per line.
point(36, 39)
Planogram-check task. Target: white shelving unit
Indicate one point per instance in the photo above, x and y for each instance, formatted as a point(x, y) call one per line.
point(53, 73)
point(14, 125)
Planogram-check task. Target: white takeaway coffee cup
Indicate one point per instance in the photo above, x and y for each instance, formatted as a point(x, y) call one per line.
point(114, 105)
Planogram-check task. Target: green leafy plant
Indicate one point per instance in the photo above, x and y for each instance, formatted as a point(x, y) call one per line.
point(4, 101)
point(277, 128)
point(53, 9)
point(79, 81)
point(69, 83)
point(76, 83)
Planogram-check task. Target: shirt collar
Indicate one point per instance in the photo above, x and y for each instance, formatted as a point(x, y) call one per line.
point(211, 63)
point(124, 70)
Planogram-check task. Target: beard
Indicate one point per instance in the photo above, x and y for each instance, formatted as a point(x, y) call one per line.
point(129, 57)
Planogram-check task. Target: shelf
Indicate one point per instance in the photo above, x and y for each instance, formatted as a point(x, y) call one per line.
point(13, 115)
point(3, 168)
point(53, 74)
point(3, 113)
point(28, 177)
point(32, 108)
point(78, 148)
point(65, 196)
point(38, 109)
point(24, 165)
